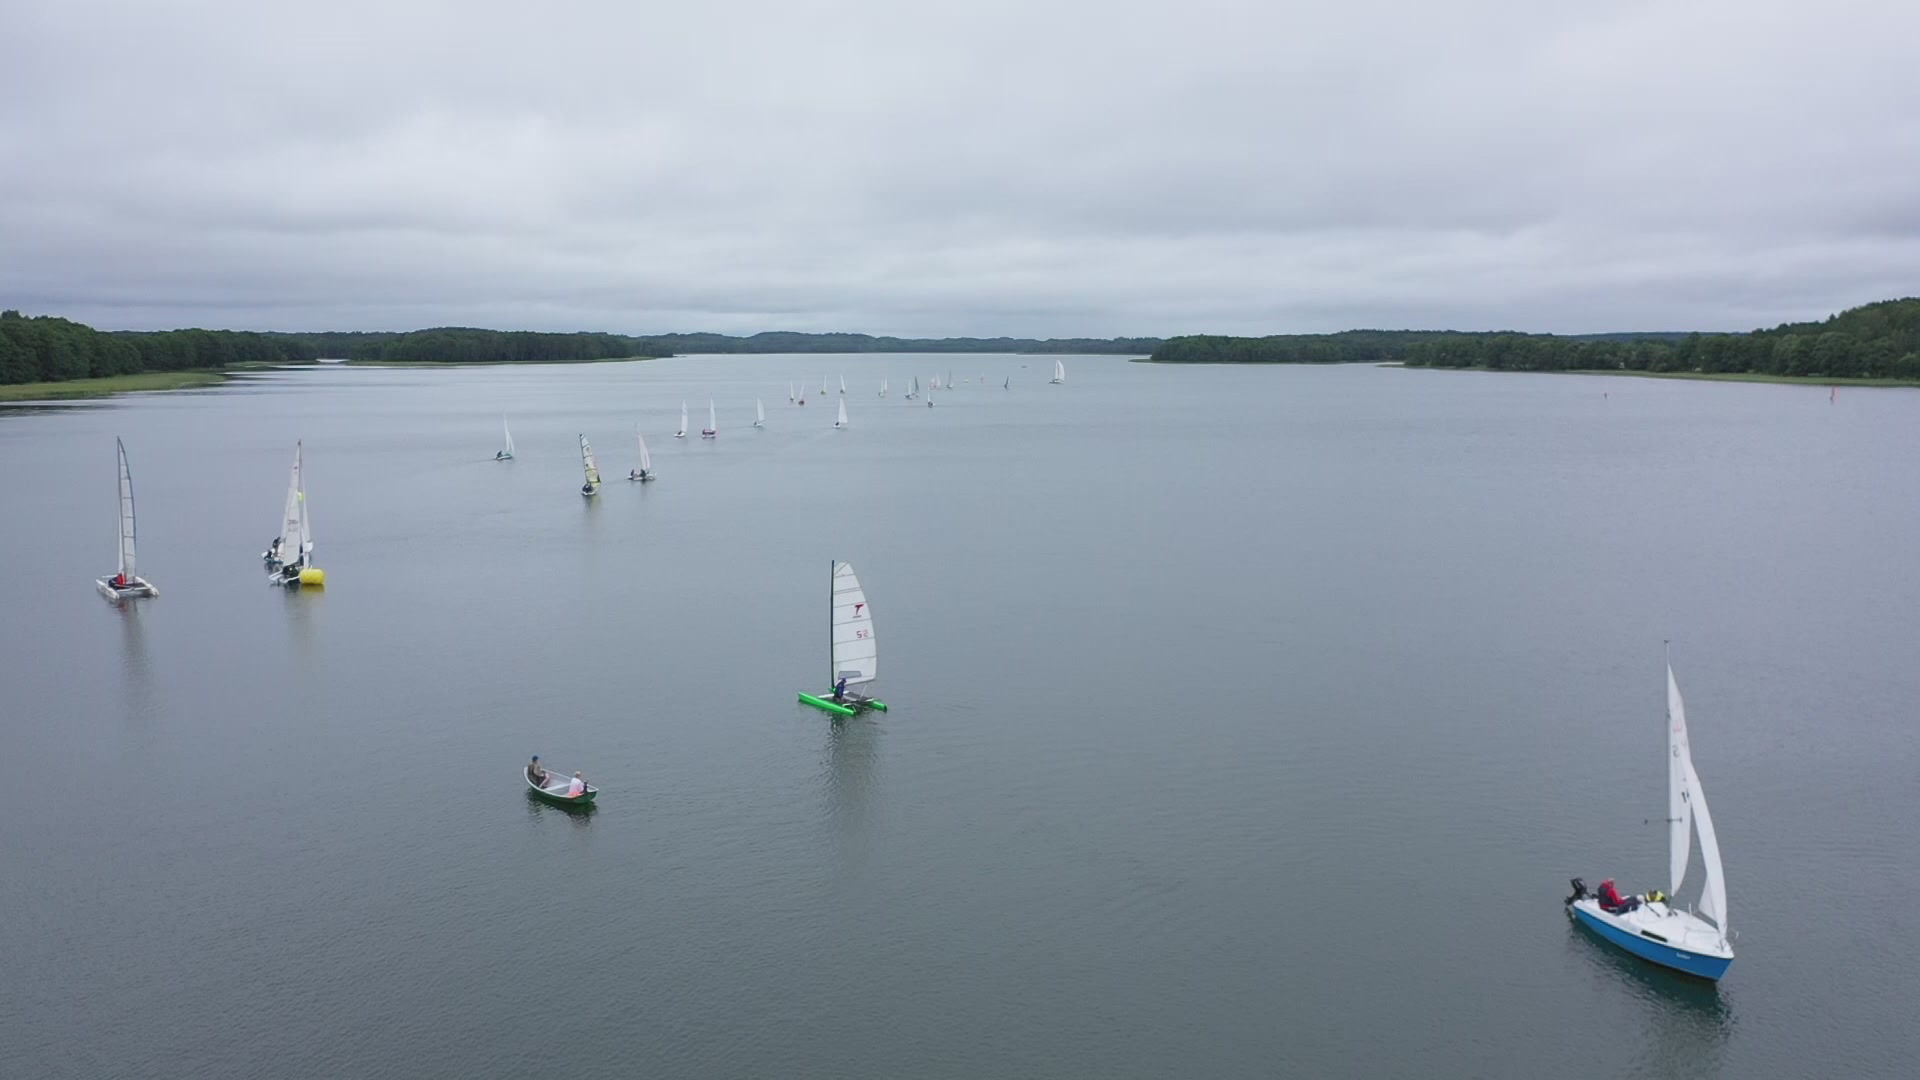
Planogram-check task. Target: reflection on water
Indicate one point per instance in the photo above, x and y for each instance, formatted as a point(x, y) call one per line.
point(1688, 1019)
point(847, 780)
point(136, 666)
point(537, 808)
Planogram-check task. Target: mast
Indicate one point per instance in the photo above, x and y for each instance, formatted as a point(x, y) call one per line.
point(126, 512)
point(833, 671)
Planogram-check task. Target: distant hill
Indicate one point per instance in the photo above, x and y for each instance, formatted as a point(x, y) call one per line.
point(1877, 341)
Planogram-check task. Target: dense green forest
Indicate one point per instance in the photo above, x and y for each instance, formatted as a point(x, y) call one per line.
point(1878, 341)
point(461, 345)
point(48, 349)
point(786, 341)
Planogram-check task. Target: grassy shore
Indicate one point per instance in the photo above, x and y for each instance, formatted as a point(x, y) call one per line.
point(1709, 376)
point(113, 384)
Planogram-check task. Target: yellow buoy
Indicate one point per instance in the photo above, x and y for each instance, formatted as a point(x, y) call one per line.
point(313, 575)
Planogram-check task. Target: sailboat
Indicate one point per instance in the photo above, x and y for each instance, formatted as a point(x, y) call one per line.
point(507, 454)
point(1653, 927)
point(592, 486)
point(712, 430)
point(930, 386)
point(682, 433)
point(913, 391)
point(125, 585)
point(790, 397)
point(843, 384)
point(759, 413)
point(289, 558)
point(842, 421)
point(645, 471)
point(883, 388)
point(1008, 385)
point(823, 386)
point(852, 658)
point(1059, 373)
point(949, 383)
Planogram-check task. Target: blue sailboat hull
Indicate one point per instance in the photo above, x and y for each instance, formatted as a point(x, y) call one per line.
point(1705, 967)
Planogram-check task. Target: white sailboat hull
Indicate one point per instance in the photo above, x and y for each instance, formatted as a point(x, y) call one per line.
point(140, 587)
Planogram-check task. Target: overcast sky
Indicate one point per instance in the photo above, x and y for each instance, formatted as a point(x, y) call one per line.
point(1028, 167)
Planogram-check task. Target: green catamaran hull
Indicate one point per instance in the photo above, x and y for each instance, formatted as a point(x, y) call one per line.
point(827, 704)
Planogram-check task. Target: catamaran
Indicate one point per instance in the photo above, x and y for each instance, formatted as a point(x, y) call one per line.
point(645, 471)
point(1653, 927)
point(759, 413)
point(682, 433)
point(592, 486)
point(1059, 373)
point(852, 659)
point(842, 421)
point(843, 384)
point(507, 454)
point(289, 558)
point(712, 430)
point(125, 585)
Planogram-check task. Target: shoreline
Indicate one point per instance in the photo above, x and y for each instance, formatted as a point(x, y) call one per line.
point(137, 383)
point(488, 363)
point(1698, 376)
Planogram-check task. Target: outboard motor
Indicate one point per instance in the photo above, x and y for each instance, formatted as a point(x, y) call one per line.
point(1579, 891)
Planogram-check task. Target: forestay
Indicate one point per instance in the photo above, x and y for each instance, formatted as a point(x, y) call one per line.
point(855, 657)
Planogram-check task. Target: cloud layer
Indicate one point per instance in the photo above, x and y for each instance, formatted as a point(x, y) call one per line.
point(1035, 168)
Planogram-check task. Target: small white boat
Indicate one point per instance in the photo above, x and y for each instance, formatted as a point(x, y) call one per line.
point(507, 454)
point(930, 396)
point(790, 395)
point(645, 471)
point(842, 421)
point(913, 391)
point(125, 585)
point(682, 433)
point(883, 388)
point(712, 430)
point(592, 467)
point(289, 558)
point(1653, 927)
point(823, 386)
point(1059, 372)
point(759, 413)
point(843, 384)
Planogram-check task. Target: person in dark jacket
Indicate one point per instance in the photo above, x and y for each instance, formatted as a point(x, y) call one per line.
point(1612, 902)
point(840, 689)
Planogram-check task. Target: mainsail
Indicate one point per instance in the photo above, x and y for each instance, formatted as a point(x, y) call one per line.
point(509, 433)
point(646, 460)
point(1687, 812)
point(854, 656)
point(592, 466)
point(842, 422)
point(296, 528)
point(126, 513)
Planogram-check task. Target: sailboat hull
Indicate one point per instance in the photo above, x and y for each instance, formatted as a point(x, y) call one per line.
point(1638, 933)
point(140, 587)
point(851, 707)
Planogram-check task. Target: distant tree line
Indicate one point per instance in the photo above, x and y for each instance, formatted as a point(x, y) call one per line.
point(1877, 341)
point(787, 341)
point(49, 349)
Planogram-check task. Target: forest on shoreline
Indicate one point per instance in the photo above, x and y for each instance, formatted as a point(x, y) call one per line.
point(1876, 341)
point(50, 349)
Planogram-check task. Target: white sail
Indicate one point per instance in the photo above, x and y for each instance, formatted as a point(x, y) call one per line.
point(883, 388)
point(759, 412)
point(508, 432)
point(646, 459)
point(823, 386)
point(683, 421)
point(296, 528)
point(1713, 898)
point(592, 466)
point(126, 514)
point(842, 422)
point(843, 384)
point(789, 393)
point(1059, 371)
point(854, 655)
point(1679, 790)
point(713, 419)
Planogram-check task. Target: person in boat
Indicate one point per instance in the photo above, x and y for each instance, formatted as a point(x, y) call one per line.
point(586, 489)
point(1612, 902)
point(273, 551)
point(840, 689)
point(578, 787)
point(120, 581)
point(535, 773)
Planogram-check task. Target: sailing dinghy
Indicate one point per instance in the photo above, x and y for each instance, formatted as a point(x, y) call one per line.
point(289, 558)
point(843, 384)
point(1652, 927)
point(125, 585)
point(682, 433)
point(592, 486)
point(842, 421)
point(645, 471)
point(507, 454)
point(1059, 373)
point(759, 413)
point(853, 660)
point(790, 397)
point(913, 391)
point(712, 430)
point(883, 388)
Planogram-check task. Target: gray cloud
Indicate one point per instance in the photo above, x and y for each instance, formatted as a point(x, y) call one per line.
point(1043, 168)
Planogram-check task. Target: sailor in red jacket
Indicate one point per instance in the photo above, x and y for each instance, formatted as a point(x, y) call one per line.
point(1612, 902)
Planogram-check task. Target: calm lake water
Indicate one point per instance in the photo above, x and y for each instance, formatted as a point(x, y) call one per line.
point(1246, 722)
